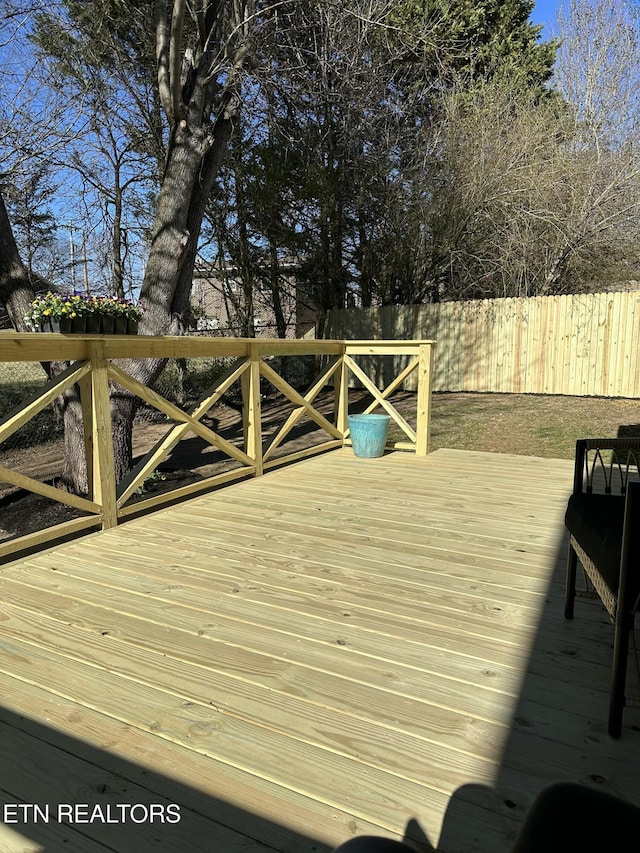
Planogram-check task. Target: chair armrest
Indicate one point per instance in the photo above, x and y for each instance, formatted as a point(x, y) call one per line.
point(624, 460)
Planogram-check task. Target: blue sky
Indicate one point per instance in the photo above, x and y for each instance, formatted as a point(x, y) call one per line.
point(544, 12)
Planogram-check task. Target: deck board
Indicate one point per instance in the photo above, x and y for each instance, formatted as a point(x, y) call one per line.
point(341, 646)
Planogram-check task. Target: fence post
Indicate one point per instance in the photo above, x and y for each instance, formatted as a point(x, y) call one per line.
point(423, 401)
point(252, 409)
point(341, 394)
point(103, 463)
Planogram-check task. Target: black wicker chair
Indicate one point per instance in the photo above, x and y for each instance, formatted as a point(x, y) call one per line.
point(603, 520)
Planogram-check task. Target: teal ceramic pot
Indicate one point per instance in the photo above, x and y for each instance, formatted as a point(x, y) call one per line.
point(368, 434)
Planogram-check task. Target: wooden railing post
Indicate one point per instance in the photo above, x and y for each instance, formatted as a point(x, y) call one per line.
point(251, 409)
point(423, 402)
point(341, 392)
point(94, 366)
point(103, 464)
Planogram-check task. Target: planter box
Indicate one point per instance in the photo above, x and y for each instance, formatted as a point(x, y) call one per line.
point(96, 324)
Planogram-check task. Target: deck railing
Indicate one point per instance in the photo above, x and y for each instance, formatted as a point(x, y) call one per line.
point(93, 367)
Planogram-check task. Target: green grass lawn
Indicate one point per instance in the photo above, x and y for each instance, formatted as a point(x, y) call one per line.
point(19, 372)
point(18, 380)
point(528, 424)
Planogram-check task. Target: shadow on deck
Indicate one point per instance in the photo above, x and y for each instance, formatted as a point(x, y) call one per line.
point(340, 647)
point(65, 793)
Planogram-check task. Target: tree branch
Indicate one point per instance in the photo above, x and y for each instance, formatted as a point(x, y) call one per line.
point(162, 58)
point(175, 58)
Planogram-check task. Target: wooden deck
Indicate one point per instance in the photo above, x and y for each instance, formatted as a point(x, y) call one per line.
point(343, 646)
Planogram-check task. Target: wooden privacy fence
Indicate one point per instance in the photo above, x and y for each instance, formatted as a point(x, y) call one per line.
point(93, 367)
point(582, 345)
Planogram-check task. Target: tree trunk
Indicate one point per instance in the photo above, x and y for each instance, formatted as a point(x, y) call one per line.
point(15, 288)
point(245, 262)
point(191, 170)
point(74, 470)
point(117, 286)
point(276, 292)
point(170, 236)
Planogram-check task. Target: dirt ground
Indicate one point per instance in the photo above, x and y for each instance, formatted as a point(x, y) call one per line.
point(501, 423)
point(191, 460)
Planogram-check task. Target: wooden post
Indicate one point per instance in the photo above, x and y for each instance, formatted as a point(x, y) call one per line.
point(423, 402)
point(245, 392)
point(341, 392)
point(251, 410)
point(104, 478)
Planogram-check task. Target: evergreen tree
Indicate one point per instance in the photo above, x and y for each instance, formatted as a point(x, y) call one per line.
point(474, 39)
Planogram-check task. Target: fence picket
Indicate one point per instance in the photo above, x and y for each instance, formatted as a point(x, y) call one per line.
point(580, 344)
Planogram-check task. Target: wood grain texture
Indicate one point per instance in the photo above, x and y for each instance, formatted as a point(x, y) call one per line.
point(97, 374)
point(339, 647)
point(577, 344)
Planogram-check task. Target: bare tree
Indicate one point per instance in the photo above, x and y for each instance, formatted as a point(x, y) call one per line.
point(498, 211)
point(35, 122)
point(598, 71)
point(598, 74)
point(542, 194)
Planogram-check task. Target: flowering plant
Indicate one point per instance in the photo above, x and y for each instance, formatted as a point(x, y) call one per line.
point(132, 310)
point(112, 306)
point(73, 306)
point(44, 309)
point(53, 308)
point(115, 307)
point(100, 304)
